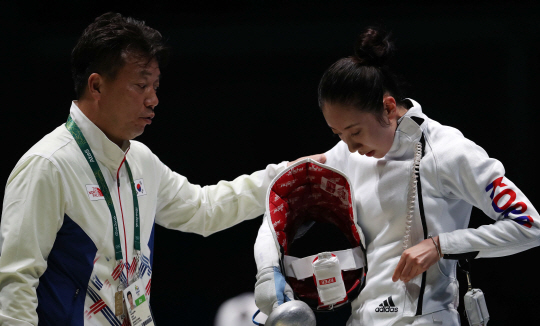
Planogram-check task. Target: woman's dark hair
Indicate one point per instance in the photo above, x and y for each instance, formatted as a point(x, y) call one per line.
point(361, 81)
point(104, 45)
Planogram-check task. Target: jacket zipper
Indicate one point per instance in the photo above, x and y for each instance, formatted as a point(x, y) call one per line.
point(70, 316)
point(424, 228)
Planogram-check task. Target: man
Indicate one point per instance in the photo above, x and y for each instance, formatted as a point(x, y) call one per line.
point(80, 205)
point(130, 300)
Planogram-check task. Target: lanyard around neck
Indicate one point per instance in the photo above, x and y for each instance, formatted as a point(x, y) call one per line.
point(91, 159)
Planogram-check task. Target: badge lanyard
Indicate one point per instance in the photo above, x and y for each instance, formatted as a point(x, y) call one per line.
point(90, 158)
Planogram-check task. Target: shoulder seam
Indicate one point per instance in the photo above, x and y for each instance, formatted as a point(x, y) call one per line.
point(437, 168)
point(51, 159)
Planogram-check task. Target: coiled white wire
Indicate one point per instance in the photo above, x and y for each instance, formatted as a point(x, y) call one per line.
point(412, 194)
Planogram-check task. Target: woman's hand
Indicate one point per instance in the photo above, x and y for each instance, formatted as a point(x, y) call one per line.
point(416, 260)
point(321, 158)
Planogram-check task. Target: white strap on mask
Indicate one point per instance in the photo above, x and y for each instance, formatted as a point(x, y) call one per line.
point(302, 268)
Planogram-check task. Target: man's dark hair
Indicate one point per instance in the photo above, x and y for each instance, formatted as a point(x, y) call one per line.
point(129, 293)
point(104, 45)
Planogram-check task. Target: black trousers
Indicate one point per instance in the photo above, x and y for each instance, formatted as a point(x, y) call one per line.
point(336, 317)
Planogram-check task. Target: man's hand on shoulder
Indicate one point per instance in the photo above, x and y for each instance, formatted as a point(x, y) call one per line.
point(321, 158)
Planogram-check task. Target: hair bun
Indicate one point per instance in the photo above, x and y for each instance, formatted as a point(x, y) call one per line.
point(373, 47)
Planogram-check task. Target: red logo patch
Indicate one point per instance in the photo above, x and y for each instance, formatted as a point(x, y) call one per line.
point(94, 193)
point(327, 281)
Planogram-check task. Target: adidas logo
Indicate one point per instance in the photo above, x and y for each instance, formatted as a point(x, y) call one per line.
point(387, 306)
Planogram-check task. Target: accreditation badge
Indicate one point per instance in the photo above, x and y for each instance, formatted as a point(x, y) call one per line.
point(137, 306)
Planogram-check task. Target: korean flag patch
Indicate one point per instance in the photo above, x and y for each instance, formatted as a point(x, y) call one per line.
point(139, 187)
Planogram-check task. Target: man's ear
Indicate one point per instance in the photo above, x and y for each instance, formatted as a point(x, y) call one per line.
point(95, 82)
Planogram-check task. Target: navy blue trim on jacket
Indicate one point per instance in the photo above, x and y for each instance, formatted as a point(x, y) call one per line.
point(62, 288)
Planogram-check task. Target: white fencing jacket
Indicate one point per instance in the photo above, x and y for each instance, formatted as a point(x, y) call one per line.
point(57, 261)
point(455, 174)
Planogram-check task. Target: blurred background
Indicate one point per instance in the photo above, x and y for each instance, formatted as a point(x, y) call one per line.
point(241, 92)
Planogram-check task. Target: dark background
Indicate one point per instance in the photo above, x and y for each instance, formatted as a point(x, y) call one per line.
point(241, 92)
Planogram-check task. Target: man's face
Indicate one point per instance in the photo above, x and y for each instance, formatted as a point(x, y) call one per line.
point(130, 299)
point(127, 103)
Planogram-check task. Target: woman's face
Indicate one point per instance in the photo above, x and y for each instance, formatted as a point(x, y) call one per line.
point(362, 131)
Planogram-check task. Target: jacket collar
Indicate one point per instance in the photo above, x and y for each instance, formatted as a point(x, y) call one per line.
point(408, 132)
point(107, 153)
